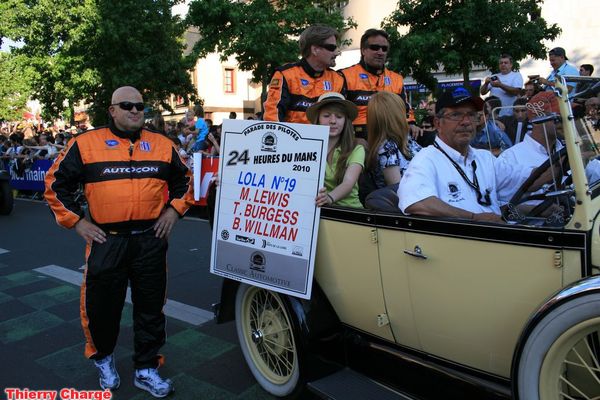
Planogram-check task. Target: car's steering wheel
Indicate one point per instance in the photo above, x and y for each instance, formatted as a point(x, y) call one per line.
point(510, 213)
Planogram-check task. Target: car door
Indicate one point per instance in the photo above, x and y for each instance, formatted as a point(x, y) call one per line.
point(347, 269)
point(473, 287)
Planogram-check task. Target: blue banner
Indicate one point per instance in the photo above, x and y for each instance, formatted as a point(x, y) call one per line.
point(31, 178)
point(417, 87)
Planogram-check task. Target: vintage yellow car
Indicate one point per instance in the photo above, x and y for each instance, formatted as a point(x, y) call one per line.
point(483, 311)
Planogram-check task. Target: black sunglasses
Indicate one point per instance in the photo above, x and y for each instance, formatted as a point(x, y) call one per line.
point(128, 106)
point(329, 46)
point(377, 47)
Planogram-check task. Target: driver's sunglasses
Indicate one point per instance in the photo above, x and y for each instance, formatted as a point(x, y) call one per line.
point(329, 46)
point(128, 106)
point(377, 47)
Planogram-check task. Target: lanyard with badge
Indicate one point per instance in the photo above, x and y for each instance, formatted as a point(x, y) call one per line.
point(484, 200)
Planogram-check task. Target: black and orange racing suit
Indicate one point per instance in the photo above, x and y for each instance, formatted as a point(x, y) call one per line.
point(295, 87)
point(125, 183)
point(362, 82)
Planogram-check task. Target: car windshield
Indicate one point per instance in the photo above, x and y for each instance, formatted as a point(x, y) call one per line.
point(540, 125)
point(585, 106)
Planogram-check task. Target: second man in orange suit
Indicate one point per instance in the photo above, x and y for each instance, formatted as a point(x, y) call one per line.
point(370, 76)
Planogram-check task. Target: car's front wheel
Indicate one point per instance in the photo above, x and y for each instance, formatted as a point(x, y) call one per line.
point(561, 357)
point(268, 340)
point(6, 198)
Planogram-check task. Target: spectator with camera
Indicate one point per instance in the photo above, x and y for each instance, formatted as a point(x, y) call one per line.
point(506, 85)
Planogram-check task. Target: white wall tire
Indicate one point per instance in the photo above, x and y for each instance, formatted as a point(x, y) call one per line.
point(268, 340)
point(560, 357)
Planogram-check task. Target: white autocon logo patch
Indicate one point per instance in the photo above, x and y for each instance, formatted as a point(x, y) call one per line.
point(130, 170)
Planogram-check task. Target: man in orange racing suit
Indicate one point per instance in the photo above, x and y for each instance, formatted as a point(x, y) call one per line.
point(124, 170)
point(370, 76)
point(296, 86)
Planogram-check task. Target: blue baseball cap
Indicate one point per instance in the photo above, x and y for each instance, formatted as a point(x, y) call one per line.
point(457, 96)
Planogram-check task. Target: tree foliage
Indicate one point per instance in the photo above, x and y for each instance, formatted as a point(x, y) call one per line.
point(139, 43)
point(15, 89)
point(84, 49)
point(457, 35)
point(261, 34)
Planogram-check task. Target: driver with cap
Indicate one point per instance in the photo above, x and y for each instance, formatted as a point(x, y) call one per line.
point(451, 178)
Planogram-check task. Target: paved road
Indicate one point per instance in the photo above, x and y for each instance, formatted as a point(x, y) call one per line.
point(40, 337)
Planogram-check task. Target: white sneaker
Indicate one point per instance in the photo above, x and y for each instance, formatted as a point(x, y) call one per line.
point(149, 380)
point(109, 377)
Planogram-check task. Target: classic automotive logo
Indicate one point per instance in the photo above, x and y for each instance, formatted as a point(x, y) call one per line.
point(257, 261)
point(269, 142)
point(245, 239)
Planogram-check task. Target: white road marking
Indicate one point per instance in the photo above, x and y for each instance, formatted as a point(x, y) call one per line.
point(174, 309)
point(2, 251)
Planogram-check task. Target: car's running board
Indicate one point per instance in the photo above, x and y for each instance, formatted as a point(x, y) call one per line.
point(347, 384)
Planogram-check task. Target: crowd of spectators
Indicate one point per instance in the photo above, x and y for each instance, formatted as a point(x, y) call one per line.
point(191, 134)
point(21, 144)
point(503, 122)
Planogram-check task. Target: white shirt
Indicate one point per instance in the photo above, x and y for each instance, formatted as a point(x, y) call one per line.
point(513, 79)
point(528, 152)
point(430, 173)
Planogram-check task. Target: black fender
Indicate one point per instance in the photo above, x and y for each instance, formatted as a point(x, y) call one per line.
point(316, 317)
point(583, 287)
point(4, 174)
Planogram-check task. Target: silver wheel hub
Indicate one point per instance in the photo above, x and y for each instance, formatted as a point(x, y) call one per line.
point(257, 336)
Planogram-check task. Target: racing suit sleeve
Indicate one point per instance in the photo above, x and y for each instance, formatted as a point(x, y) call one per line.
point(62, 182)
point(181, 185)
point(278, 99)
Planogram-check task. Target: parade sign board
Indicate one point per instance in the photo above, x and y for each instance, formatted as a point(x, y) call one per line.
point(266, 221)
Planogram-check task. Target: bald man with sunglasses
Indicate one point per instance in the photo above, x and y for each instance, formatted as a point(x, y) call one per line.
point(125, 171)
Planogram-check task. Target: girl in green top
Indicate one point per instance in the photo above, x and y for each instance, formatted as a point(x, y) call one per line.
point(345, 158)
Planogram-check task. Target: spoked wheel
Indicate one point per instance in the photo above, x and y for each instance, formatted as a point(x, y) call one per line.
point(561, 358)
point(571, 369)
point(268, 341)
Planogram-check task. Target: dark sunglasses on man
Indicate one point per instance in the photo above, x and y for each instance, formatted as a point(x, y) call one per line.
point(377, 47)
point(329, 46)
point(128, 106)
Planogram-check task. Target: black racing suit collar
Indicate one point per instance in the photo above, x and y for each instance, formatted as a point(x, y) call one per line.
point(131, 135)
point(371, 70)
point(310, 70)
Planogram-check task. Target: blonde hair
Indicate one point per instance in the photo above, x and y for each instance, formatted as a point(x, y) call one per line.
point(386, 120)
point(346, 142)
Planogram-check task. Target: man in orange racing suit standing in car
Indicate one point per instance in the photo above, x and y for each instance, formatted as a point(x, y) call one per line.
point(124, 170)
point(370, 76)
point(296, 86)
